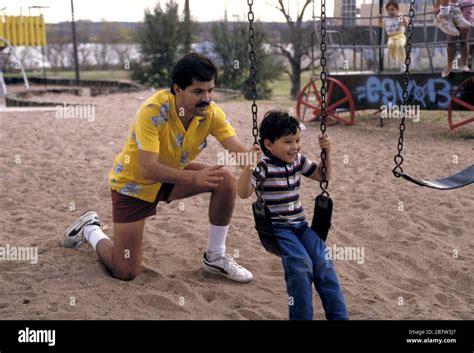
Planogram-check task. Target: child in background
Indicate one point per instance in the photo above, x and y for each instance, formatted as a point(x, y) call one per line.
point(395, 25)
point(304, 255)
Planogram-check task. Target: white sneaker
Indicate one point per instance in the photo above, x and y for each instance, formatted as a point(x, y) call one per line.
point(458, 19)
point(227, 267)
point(445, 24)
point(74, 234)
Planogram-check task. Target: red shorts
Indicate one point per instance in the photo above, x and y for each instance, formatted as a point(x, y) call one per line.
point(127, 209)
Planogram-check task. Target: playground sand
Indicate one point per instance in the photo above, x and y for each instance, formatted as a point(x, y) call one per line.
point(417, 244)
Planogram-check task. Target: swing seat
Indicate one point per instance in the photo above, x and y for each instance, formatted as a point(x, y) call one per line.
point(455, 181)
point(322, 216)
point(264, 227)
point(263, 222)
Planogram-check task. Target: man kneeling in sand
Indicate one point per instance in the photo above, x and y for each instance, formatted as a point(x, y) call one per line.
point(156, 164)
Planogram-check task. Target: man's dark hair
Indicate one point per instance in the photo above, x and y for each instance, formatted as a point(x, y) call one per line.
point(276, 124)
point(192, 66)
point(392, 3)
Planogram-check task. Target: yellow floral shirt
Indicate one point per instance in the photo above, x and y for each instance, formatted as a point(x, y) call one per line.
point(157, 128)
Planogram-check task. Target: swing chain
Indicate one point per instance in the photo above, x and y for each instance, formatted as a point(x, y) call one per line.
point(323, 184)
point(253, 93)
point(398, 159)
point(253, 71)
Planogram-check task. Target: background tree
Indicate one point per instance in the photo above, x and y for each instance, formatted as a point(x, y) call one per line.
point(85, 49)
point(107, 37)
point(159, 41)
point(230, 43)
point(187, 29)
point(58, 53)
point(299, 46)
point(123, 48)
point(231, 51)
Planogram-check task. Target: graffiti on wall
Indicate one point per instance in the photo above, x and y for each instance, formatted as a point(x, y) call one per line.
point(382, 91)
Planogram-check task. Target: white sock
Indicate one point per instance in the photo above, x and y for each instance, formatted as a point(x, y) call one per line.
point(216, 242)
point(444, 10)
point(94, 234)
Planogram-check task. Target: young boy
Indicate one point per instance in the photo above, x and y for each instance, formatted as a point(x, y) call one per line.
point(303, 252)
point(395, 25)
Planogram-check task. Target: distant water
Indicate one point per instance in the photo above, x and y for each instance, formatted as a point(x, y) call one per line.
point(90, 54)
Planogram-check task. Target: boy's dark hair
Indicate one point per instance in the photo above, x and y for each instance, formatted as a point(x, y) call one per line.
point(392, 3)
point(276, 124)
point(192, 66)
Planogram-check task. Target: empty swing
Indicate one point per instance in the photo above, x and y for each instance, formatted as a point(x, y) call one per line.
point(458, 180)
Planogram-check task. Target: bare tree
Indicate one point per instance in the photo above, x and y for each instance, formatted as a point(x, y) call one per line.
point(103, 49)
point(59, 55)
point(59, 51)
point(298, 48)
point(85, 50)
point(123, 54)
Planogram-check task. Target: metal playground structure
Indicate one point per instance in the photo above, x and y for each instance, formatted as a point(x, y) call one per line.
point(355, 83)
point(19, 31)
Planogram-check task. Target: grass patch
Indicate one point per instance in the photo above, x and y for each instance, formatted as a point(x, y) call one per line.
point(282, 87)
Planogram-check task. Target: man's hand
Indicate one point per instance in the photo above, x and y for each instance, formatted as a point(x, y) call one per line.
point(208, 177)
point(325, 142)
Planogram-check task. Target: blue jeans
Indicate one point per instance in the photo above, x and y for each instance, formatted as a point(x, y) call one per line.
point(304, 261)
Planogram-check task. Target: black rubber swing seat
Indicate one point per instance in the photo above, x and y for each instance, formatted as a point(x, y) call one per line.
point(459, 180)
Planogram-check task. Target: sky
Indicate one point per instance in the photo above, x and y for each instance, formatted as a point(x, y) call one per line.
point(132, 10)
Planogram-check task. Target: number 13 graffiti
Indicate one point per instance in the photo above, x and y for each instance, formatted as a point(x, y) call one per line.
point(436, 91)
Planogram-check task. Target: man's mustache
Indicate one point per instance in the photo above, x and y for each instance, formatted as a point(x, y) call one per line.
point(203, 104)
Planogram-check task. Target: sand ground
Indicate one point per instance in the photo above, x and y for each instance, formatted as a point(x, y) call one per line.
point(418, 243)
